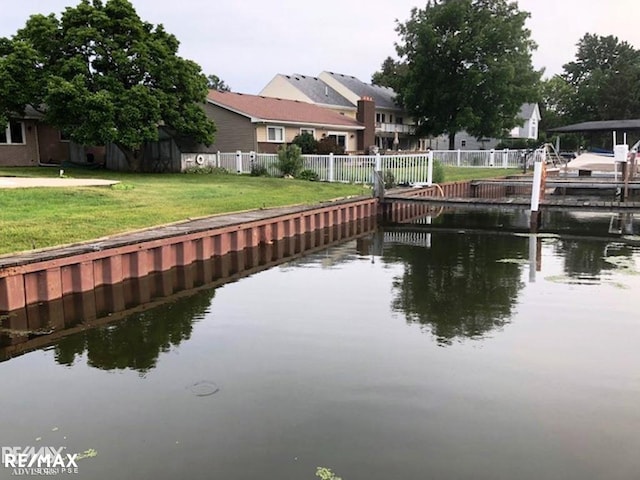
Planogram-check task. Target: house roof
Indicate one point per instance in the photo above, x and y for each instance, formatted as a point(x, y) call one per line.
point(263, 109)
point(318, 91)
point(384, 97)
point(526, 110)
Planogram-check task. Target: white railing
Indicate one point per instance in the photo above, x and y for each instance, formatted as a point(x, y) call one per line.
point(394, 127)
point(480, 158)
point(409, 168)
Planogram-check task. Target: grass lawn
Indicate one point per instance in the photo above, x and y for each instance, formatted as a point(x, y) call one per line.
point(44, 217)
point(455, 174)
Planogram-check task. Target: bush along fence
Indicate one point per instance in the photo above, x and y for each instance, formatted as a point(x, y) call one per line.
point(405, 168)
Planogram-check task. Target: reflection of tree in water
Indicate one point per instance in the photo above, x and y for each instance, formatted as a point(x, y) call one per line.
point(137, 341)
point(588, 257)
point(458, 287)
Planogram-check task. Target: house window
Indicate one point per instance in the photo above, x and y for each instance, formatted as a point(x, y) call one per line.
point(463, 143)
point(339, 138)
point(310, 131)
point(12, 134)
point(533, 130)
point(380, 118)
point(399, 120)
point(275, 134)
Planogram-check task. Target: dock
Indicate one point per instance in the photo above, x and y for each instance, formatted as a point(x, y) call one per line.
point(570, 193)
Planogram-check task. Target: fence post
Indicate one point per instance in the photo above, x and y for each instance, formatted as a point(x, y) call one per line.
point(458, 159)
point(218, 159)
point(537, 190)
point(252, 160)
point(505, 158)
point(378, 163)
point(430, 168)
point(331, 168)
point(535, 194)
point(238, 161)
point(492, 157)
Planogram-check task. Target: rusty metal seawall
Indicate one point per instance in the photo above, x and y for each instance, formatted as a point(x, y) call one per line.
point(42, 276)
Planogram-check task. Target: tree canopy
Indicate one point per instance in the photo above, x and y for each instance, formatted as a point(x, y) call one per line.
point(390, 74)
point(216, 83)
point(102, 75)
point(604, 79)
point(467, 66)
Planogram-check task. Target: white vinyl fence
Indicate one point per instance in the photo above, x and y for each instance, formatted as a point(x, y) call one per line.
point(406, 168)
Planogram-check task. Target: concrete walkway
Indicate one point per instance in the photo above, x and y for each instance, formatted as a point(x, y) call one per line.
point(32, 182)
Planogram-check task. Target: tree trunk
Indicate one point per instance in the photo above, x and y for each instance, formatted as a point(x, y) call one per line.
point(133, 156)
point(452, 141)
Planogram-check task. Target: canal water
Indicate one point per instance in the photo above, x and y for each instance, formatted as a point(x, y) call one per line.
point(449, 348)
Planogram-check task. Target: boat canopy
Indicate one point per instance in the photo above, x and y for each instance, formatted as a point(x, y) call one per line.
point(599, 126)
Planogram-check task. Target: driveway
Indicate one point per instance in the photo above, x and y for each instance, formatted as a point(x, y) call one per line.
point(30, 182)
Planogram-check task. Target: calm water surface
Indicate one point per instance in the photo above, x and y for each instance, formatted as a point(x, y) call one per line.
point(414, 353)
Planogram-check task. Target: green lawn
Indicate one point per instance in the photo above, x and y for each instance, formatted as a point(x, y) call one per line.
point(455, 174)
point(44, 217)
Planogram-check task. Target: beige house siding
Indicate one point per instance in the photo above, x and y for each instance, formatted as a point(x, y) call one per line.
point(292, 131)
point(234, 131)
point(24, 154)
point(347, 112)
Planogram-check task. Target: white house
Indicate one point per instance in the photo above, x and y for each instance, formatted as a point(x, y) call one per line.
point(530, 113)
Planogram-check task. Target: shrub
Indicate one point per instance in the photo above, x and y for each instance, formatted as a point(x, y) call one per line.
point(389, 179)
point(259, 171)
point(309, 175)
point(207, 170)
point(290, 160)
point(518, 144)
point(328, 145)
point(306, 142)
point(438, 172)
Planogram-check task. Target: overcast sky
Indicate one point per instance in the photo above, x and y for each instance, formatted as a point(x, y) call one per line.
point(247, 42)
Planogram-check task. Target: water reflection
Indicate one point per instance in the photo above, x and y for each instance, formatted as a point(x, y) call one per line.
point(517, 220)
point(136, 342)
point(590, 258)
point(134, 330)
point(458, 288)
point(325, 361)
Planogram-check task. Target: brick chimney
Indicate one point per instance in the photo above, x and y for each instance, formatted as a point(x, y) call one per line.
point(366, 115)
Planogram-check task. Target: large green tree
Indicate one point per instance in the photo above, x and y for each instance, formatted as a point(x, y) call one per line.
point(102, 75)
point(605, 79)
point(556, 95)
point(468, 66)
